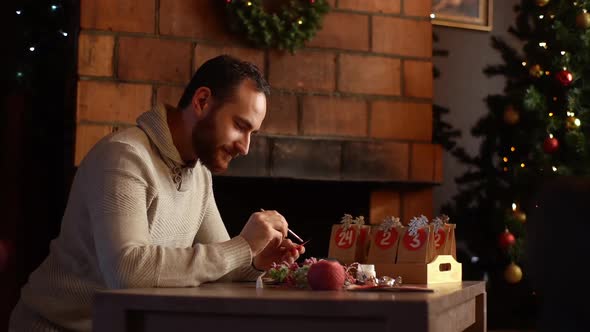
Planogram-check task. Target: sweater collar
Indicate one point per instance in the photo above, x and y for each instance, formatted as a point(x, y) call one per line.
point(154, 123)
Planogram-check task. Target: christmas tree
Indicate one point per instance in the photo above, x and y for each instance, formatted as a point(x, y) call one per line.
point(536, 130)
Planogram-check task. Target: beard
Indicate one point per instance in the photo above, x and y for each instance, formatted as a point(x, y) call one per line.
point(206, 147)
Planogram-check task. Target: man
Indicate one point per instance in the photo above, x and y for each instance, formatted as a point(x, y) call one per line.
point(141, 211)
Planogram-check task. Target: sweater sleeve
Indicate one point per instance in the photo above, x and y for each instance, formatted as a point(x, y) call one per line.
point(117, 204)
point(213, 230)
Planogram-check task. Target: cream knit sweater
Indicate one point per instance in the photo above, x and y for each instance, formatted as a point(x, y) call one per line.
point(137, 216)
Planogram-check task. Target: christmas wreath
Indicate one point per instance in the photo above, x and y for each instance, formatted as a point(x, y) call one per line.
point(288, 29)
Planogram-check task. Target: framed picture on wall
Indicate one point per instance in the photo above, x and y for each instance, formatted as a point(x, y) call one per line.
point(468, 14)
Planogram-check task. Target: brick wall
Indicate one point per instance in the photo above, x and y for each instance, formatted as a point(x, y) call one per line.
point(355, 105)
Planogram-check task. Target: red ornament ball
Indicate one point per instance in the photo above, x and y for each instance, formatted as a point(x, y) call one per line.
point(506, 239)
point(564, 77)
point(550, 145)
point(326, 275)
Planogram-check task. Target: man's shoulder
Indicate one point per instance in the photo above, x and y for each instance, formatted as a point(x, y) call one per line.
point(119, 146)
point(133, 136)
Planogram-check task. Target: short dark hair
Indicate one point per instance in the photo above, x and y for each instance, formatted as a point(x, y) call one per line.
point(222, 75)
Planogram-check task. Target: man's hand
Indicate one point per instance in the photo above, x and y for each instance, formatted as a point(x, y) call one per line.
point(263, 230)
point(287, 252)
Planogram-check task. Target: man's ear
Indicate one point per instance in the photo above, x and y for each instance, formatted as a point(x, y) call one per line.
point(202, 101)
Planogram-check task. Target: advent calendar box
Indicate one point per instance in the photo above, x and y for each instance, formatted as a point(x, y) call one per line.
point(349, 241)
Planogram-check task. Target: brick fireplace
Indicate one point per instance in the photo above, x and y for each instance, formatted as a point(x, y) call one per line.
point(350, 116)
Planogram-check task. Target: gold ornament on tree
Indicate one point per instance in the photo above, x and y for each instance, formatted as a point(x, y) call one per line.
point(542, 3)
point(518, 213)
point(571, 122)
point(583, 20)
point(536, 71)
point(511, 116)
point(513, 273)
point(520, 216)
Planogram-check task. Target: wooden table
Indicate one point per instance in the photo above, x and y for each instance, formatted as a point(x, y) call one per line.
point(241, 307)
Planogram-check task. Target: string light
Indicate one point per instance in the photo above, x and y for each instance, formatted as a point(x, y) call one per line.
point(524, 63)
point(432, 15)
point(32, 48)
point(577, 122)
point(562, 52)
point(18, 12)
point(19, 74)
point(568, 113)
point(550, 114)
point(505, 159)
point(505, 169)
point(513, 206)
point(554, 168)
point(541, 17)
point(65, 34)
point(512, 149)
point(522, 165)
point(53, 7)
point(550, 135)
point(543, 45)
point(300, 22)
point(249, 3)
point(547, 73)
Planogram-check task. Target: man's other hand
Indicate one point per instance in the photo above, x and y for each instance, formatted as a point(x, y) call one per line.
point(287, 252)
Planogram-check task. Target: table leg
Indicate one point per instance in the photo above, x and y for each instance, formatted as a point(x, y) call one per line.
point(481, 324)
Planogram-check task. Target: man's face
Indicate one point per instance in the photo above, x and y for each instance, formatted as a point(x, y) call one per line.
point(224, 132)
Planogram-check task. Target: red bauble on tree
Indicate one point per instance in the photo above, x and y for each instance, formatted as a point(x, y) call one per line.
point(564, 77)
point(550, 145)
point(506, 239)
